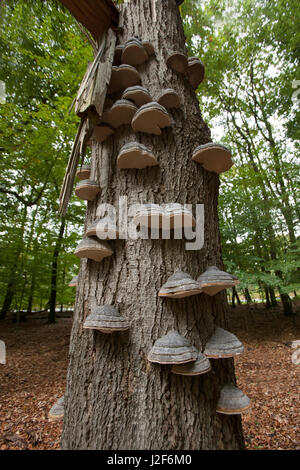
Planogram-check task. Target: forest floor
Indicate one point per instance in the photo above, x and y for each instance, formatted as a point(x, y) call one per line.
point(35, 374)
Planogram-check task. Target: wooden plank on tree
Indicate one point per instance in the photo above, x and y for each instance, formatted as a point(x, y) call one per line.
point(89, 106)
point(93, 89)
point(95, 15)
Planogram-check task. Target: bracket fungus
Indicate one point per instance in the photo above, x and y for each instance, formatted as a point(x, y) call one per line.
point(232, 401)
point(84, 172)
point(213, 157)
point(199, 367)
point(102, 132)
point(177, 62)
point(92, 248)
point(172, 349)
point(104, 229)
point(87, 190)
point(123, 77)
point(213, 280)
point(73, 282)
point(222, 345)
point(149, 215)
point(169, 98)
point(121, 112)
point(135, 155)
point(178, 217)
point(57, 411)
point(138, 94)
point(134, 53)
point(147, 45)
point(179, 285)
point(106, 319)
point(151, 118)
point(195, 71)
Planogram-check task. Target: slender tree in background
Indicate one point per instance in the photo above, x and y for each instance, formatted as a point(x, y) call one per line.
point(115, 398)
point(54, 272)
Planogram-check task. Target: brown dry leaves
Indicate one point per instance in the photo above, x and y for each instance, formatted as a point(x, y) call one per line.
point(265, 372)
point(31, 381)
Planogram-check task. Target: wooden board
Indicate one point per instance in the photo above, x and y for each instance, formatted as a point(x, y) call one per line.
point(95, 15)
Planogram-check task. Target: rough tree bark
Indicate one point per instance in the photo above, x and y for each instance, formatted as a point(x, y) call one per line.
point(116, 399)
point(247, 295)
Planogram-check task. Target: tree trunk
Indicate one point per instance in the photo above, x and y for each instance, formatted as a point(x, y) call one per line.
point(31, 292)
point(52, 300)
point(268, 303)
point(247, 295)
point(10, 289)
point(9, 295)
point(235, 296)
point(115, 398)
point(272, 297)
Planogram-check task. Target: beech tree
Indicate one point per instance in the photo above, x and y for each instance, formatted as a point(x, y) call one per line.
point(116, 398)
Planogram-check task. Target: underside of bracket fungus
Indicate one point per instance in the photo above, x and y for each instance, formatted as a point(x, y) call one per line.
point(121, 112)
point(149, 215)
point(102, 132)
point(83, 172)
point(172, 349)
point(179, 285)
point(199, 367)
point(135, 155)
point(57, 411)
point(123, 77)
point(104, 229)
point(223, 344)
point(169, 98)
point(178, 217)
point(94, 249)
point(213, 157)
point(74, 282)
point(232, 401)
point(195, 71)
point(151, 118)
point(213, 280)
point(177, 62)
point(106, 319)
point(87, 190)
point(138, 94)
point(134, 52)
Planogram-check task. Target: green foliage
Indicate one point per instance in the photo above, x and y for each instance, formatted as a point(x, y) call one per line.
point(251, 52)
point(43, 58)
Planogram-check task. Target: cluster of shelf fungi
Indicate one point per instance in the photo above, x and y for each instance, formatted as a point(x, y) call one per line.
point(129, 103)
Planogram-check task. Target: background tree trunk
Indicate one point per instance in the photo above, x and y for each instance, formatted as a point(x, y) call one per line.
point(235, 296)
point(272, 297)
point(247, 295)
point(116, 399)
point(268, 303)
point(52, 300)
